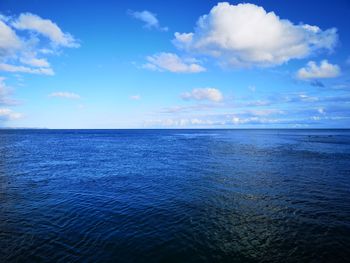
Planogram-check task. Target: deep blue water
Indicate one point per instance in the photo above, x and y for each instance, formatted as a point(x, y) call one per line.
point(175, 195)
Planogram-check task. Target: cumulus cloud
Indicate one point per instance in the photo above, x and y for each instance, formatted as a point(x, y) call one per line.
point(211, 94)
point(150, 19)
point(247, 35)
point(23, 47)
point(321, 71)
point(46, 27)
point(66, 95)
point(173, 63)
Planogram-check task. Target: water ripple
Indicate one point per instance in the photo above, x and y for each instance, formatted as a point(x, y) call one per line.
point(175, 196)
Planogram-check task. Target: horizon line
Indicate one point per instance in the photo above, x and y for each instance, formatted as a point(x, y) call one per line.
point(23, 128)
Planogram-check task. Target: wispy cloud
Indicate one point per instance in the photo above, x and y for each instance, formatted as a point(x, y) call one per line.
point(211, 94)
point(66, 95)
point(297, 109)
point(135, 97)
point(5, 94)
point(190, 108)
point(341, 86)
point(173, 63)
point(150, 19)
point(242, 119)
point(25, 69)
point(252, 88)
point(255, 103)
point(180, 122)
point(8, 114)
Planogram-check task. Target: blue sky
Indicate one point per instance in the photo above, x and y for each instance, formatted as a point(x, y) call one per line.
point(190, 64)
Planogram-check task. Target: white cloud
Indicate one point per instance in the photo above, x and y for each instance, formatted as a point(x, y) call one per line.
point(148, 18)
point(183, 38)
point(24, 69)
point(264, 112)
point(256, 103)
point(180, 122)
point(314, 71)
point(315, 118)
point(35, 62)
point(9, 40)
point(252, 120)
point(8, 114)
point(247, 35)
point(24, 51)
point(213, 120)
point(5, 94)
point(173, 63)
point(211, 94)
point(66, 95)
point(135, 97)
point(321, 110)
point(191, 108)
point(306, 98)
point(46, 27)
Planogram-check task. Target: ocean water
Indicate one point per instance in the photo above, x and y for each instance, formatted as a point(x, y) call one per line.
point(175, 195)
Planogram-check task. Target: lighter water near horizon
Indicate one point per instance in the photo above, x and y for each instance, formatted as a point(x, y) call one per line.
point(175, 195)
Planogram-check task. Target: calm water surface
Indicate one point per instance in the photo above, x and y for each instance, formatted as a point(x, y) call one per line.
point(175, 196)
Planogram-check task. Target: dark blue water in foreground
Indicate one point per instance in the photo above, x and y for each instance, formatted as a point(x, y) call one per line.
point(175, 195)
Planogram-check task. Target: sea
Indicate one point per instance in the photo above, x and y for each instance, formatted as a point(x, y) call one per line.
point(175, 195)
